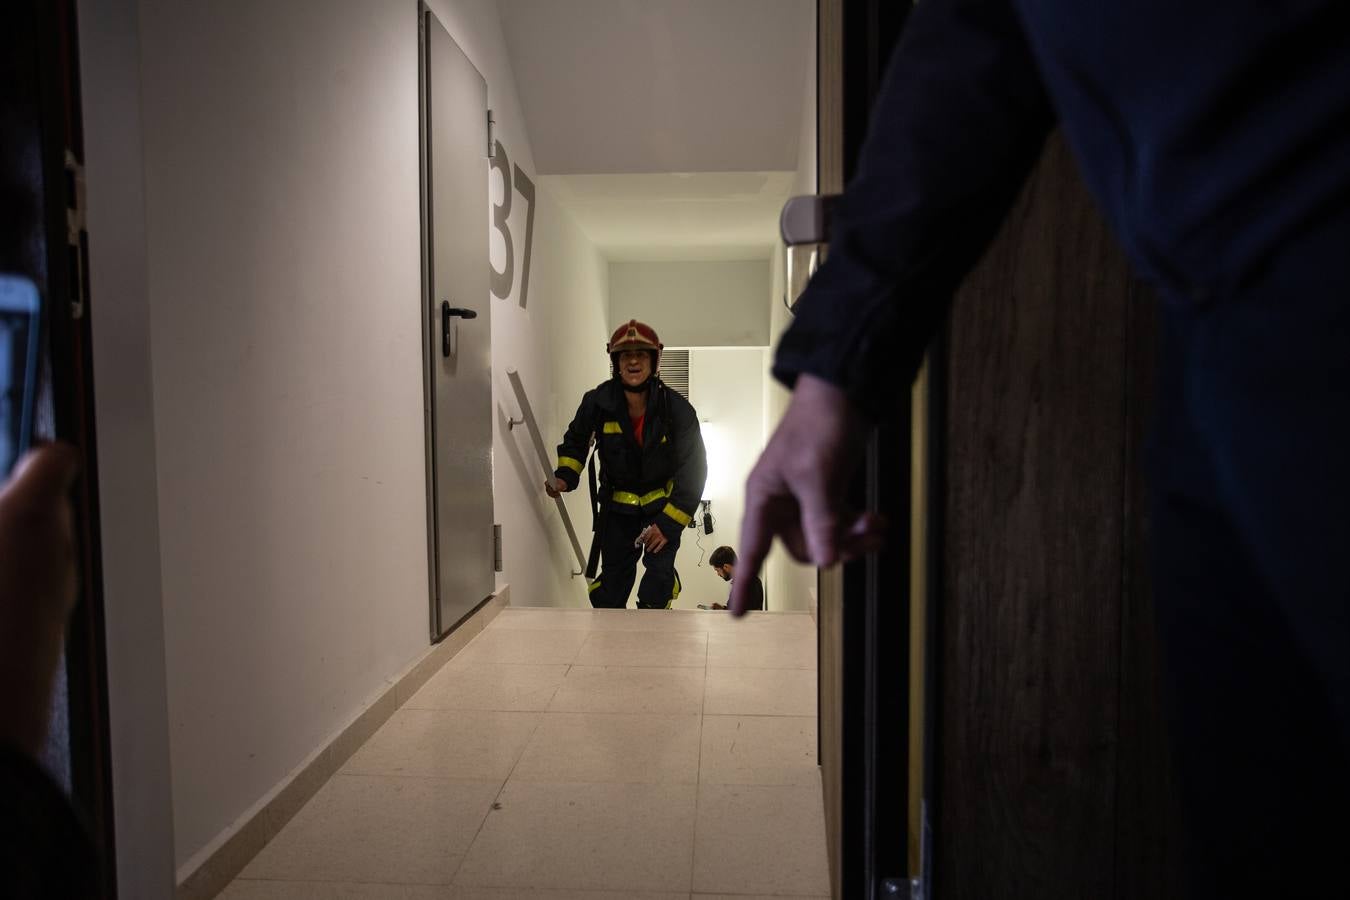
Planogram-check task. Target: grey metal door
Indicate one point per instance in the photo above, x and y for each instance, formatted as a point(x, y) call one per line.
point(456, 326)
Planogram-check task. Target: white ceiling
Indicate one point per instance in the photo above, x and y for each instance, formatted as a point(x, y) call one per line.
point(643, 86)
point(706, 216)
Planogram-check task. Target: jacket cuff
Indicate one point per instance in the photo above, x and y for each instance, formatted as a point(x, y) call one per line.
point(864, 323)
point(870, 354)
point(672, 520)
point(571, 476)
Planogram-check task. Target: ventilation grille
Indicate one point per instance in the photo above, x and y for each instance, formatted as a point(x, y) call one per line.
point(675, 370)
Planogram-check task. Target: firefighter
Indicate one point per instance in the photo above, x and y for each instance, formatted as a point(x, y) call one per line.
point(652, 469)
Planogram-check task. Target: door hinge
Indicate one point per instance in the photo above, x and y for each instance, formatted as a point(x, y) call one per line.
point(492, 136)
point(496, 548)
point(76, 234)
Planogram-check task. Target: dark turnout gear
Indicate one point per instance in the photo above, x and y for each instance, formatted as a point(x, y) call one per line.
point(661, 479)
point(660, 583)
point(658, 481)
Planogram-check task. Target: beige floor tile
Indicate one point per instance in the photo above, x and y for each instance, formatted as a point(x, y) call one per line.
point(313, 890)
point(500, 686)
point(523, 647)
point(759, 750)
point(472, 745)
point(630, 689)
point(378, 829)
point(612, 747)
point(754, 897)
point(585, 836)
point(784, 623)
point(644, 648)
point(465, 893)
point(649, 620)
point(794, 621)
point(760, 692)
point(762, 649)
point(754, 839)
point(543, 619)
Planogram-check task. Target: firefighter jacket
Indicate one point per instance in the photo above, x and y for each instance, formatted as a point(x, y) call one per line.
point(663, 478)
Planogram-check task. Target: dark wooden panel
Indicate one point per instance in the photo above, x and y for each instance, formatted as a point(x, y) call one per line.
point(1148, 849)
point(1033, 554)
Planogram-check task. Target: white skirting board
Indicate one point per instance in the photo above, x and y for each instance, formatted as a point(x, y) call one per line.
point(210, 871)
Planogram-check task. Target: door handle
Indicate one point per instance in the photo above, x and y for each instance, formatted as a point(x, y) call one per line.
point(448, 311)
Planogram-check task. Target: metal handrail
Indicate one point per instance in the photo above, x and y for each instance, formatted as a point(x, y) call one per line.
point(527, 414)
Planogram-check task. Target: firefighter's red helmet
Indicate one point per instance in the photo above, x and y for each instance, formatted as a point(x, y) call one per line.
point(634, 335)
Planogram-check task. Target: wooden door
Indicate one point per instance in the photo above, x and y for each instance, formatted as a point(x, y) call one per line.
point(1052, 758)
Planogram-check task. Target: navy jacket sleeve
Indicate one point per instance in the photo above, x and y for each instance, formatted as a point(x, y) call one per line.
point(576, 443)
point(959, 122)
point(691, 468)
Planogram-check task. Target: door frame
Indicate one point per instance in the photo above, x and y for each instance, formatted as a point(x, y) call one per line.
point(428, 389)
point(46, 35)
point(868, 607)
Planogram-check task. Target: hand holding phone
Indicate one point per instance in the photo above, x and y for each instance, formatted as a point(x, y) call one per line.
point(37, 588)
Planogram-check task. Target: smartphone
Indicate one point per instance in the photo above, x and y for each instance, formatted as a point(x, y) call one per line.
point(20, 318)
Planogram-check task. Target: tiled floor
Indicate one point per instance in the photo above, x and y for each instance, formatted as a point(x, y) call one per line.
point(579, 755)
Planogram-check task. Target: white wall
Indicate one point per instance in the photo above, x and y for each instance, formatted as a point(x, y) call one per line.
point(694, 304)
point(559, 358)
point(284, 280)
point(128, 502)
point(792, 585)
point(726, 387)
point(556, 341)
point(281, 172)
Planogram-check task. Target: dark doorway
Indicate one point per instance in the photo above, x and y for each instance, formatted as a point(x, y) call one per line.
point(1041, 764)
point(42, 238)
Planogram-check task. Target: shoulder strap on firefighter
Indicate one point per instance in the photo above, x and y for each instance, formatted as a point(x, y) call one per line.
point(597, 519)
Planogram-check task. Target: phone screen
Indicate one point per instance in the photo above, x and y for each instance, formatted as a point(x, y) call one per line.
point(20, 313)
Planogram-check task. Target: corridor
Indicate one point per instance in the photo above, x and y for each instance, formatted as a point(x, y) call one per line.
point(369, 406)
point(570, 754)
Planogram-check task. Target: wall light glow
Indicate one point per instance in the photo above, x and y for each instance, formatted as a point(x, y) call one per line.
point(715, 441)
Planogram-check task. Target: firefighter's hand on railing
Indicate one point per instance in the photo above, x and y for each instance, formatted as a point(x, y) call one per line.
point(796, 489)
point(556, 487)
point(651, 539)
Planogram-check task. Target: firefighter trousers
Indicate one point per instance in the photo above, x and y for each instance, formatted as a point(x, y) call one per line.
point(618, 566)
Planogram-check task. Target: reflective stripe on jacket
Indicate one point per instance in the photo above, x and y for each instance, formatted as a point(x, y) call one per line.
point(664, 477)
